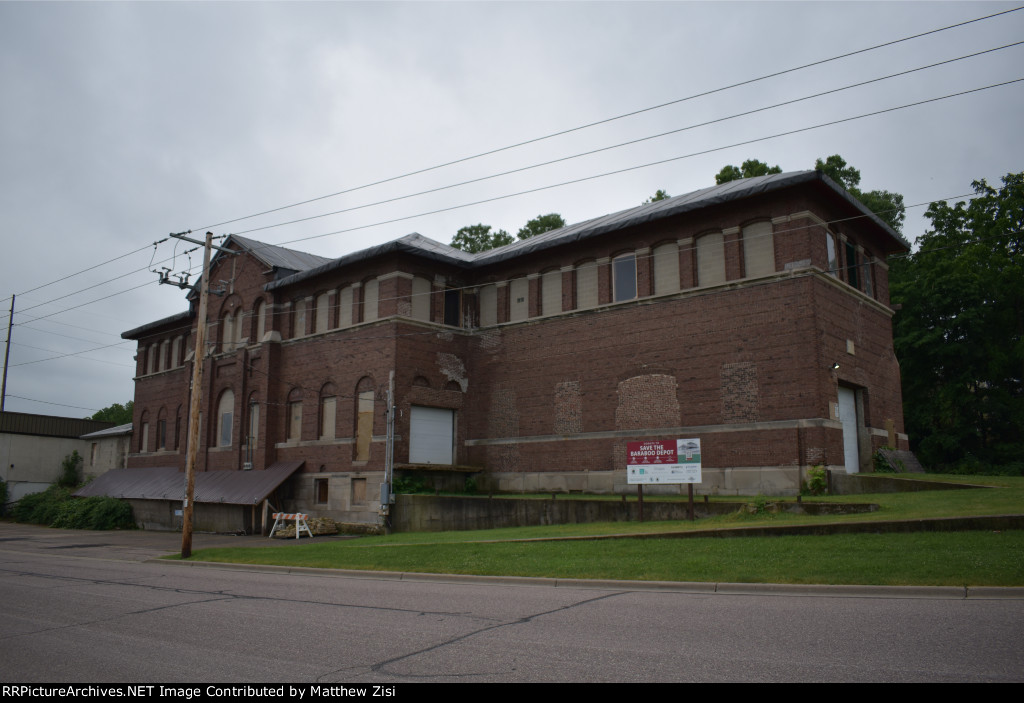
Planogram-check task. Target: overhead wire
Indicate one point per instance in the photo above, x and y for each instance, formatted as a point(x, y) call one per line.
point(611, 119)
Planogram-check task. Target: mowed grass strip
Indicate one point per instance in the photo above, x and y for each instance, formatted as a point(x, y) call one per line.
point(932, 559)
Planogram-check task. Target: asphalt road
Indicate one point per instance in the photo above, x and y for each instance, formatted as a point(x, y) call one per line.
point(88, 607)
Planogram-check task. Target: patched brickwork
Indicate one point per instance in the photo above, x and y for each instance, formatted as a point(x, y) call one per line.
point(645, 402)
point(453, 369)
point(568, 408)
point(503, 422)
point(739, 392)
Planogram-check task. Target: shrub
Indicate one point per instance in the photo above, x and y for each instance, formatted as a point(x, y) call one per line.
point(55, 507)
point(69, 470)
point(409, 484)
point(816, 483)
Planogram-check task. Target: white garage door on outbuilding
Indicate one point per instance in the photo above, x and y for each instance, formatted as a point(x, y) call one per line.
point(432, 435)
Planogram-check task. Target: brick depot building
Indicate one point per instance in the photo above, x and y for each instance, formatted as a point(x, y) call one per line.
point(753, 315)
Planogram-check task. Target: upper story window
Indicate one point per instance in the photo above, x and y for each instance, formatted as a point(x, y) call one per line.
point(711, 259)
point(453, 307)
point(666, 268)
point(624, 277)
point(519, 293)
point(421, 298)
point(323, 312)
point(851, 265)
point(488, 305)
point(345, 307)
point(586, 285)
point(299, 323)
point(225, 418)
point(551, 292)
point(833, 256)
point(758, 249)
point(371, 297)
point(261, 321)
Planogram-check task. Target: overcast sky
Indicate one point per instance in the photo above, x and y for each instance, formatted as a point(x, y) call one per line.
point(122, 122)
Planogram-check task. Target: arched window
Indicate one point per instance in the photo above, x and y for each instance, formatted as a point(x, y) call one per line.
point(586, 285)
point(551, 292)
point(151, 360)
point(666, 268)
point(519, 299)
point(298, 318)
point(176, 352)
point(227, 333)
point(370, 300)
point(833, 257)
point(488, 305)
point(295, 415)
point(261, 321)
point(323, 311)
point(711, 259)
point(144, 434)
point(624, 277)
point(345, 307)
point(758, 249)
point(225, 418)
point(421, 298)
point(161, 430)
point(364, 418)
point(328, 411)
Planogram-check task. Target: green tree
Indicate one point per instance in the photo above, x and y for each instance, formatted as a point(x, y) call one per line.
point(477, 238)
point(658, 195)
point(888, 206)
point(69, 477)
point(541, 224)
point(959, 334)
point(116, 413)
point(749, 169)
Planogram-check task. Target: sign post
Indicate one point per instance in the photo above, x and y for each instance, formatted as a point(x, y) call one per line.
point(658, 461)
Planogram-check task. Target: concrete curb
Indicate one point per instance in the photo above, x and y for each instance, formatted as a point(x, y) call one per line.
point(708, 588)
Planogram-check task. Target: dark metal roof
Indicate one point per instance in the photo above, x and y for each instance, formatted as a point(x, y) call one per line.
point(142, 331)
point(414, 243)
point(112, 432)
point(168, 483)
point(276, 256)
point(707, 197)
point(48, 425)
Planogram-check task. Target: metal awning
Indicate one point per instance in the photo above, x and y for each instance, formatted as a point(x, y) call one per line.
point(168, 483)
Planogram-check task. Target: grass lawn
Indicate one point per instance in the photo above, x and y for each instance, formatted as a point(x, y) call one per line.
point(951, 559)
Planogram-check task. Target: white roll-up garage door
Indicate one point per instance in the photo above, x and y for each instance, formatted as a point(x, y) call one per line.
point(432, 435)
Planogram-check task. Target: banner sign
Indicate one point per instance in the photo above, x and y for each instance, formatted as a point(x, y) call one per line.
point(663, 461)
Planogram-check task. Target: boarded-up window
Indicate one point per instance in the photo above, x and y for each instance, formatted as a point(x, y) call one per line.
point(165, 355)
point(320, 490)
point(586, 285)
point(869, 286)
point(345, 307)
point(254, 424)
point(364, 425)
point(758, 249)
point(261, 321)
point(144, 440)
point(299, 326)
point(519, 291)
point(323, 312)
point(328, 415)
point(488, 305)
point(421, 298)
point(370, 298)
point(624, 277)
point(151, 359)
point(176, 352)
point(225, 417)
point(710, 259)
point(227, 333)
point(666, 268)
point(358, 491)
point(551, 293)
point(295, 421)
point(161, 434)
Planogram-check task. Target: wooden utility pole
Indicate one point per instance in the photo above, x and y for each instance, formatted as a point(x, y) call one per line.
point(195, 405)
point(7, 355)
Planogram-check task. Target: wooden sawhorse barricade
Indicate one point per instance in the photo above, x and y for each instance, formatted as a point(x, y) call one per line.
point(300, 523)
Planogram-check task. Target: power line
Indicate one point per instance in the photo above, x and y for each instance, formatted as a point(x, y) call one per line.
point(607, 120)
point(46, 402)
point(626, 143)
